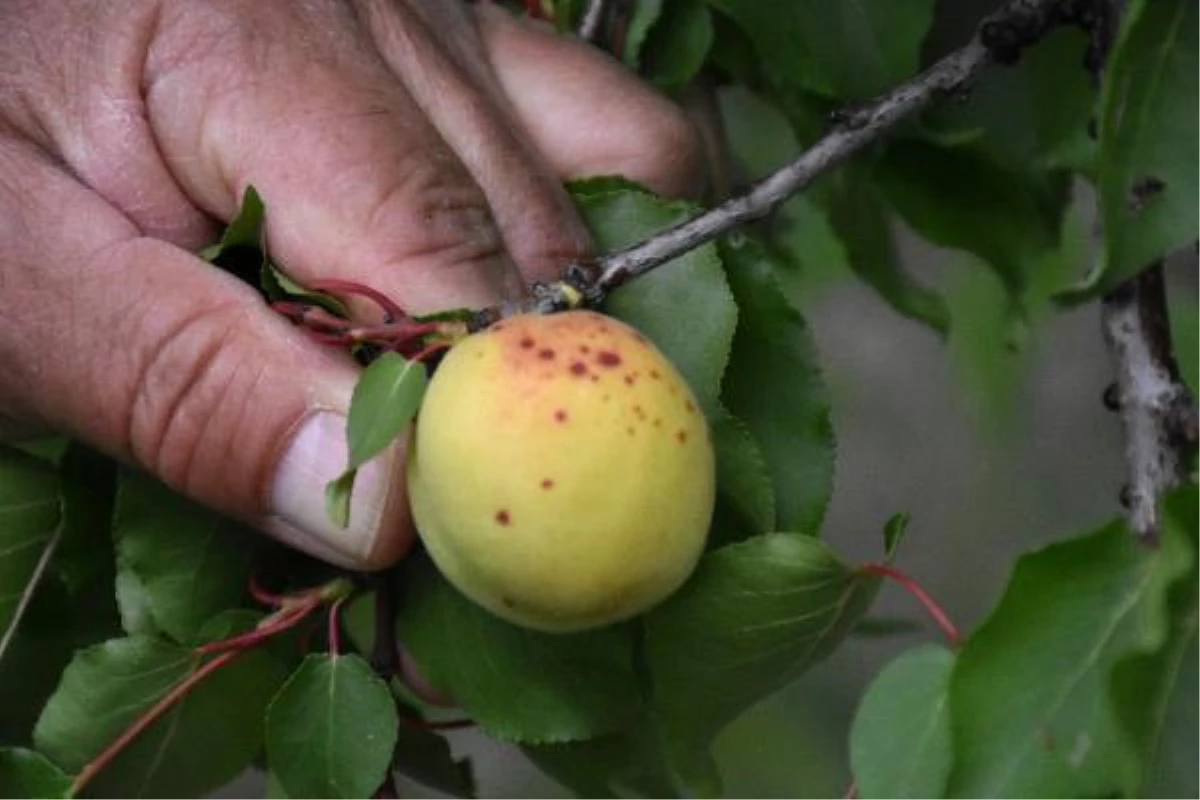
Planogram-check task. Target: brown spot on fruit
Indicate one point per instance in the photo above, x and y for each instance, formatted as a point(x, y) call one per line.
point(691, 409)
point(526, 343)
point(583, 348)
point(629, 430)
point(658, 422)
point(607, 358)
point(545, 354)
point(547, 483)
point(560, 415)
point(681, 435)
point(629, 380)
point(503, 517)
point(579, 368)
point(654, 374)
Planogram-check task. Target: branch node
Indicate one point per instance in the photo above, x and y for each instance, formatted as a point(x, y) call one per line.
point(1158, 412)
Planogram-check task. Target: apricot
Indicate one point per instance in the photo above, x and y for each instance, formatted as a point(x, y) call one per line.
point(561, 474)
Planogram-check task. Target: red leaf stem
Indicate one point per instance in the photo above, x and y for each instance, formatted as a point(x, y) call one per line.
point(931, 606)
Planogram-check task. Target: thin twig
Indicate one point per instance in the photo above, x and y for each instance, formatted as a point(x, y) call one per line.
point(1000, 37)
point(593, 19)
point(862, 127)
point(1157, 410)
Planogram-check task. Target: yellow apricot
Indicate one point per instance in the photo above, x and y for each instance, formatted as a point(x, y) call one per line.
point(561, 474)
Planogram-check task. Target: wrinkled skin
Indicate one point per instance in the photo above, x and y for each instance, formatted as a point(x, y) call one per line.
point(416, 146)
point(562, 474)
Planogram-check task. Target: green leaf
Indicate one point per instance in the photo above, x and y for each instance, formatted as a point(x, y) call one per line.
point(246, 228)
point(642, 16)
point(1030, 693)
point(607, 766)
point(848, 50)
point(50, 448)
point(900, 740)
point(685, 306)
point(678, 44)
point(857, 212)
point(773, 384)
point(72, 607)
point(24, 773)
point(244, 233)
point(273, 789)
point(1144, 682)
point(520, 685)
point(1148, 167)
point(1031, 116)
point(754, 616)
point(957, 197)
point(30, 524)
point(386, 398)
point(107, 686)
point(426, 758)
point(337, 497)
point(894, 531)
point(743, 479)
point(331, 729)
point(178, 562)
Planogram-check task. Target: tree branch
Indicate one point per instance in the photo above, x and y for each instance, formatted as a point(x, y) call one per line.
point(1000, 37)
point(856, 130)
point(593, 18)
point(1157, 410)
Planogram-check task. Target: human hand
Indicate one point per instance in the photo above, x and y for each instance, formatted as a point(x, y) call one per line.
point(416, 146)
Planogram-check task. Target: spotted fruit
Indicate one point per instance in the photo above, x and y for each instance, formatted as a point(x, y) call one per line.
point(561, 474)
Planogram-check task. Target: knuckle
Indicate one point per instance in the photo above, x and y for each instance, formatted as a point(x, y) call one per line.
point(669, 154)
point(432, 220)
point(434, 211)
point(185, 383)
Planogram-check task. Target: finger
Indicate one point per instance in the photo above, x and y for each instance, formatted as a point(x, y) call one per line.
point(159, 359)
point(358, 186)
point(434, 50)
point(92, 117)
point(586, 113)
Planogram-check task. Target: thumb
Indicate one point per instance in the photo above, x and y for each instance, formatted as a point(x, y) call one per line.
point(163, 361)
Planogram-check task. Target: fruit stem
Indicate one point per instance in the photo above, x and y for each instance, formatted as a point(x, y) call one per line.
point(931, 606)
